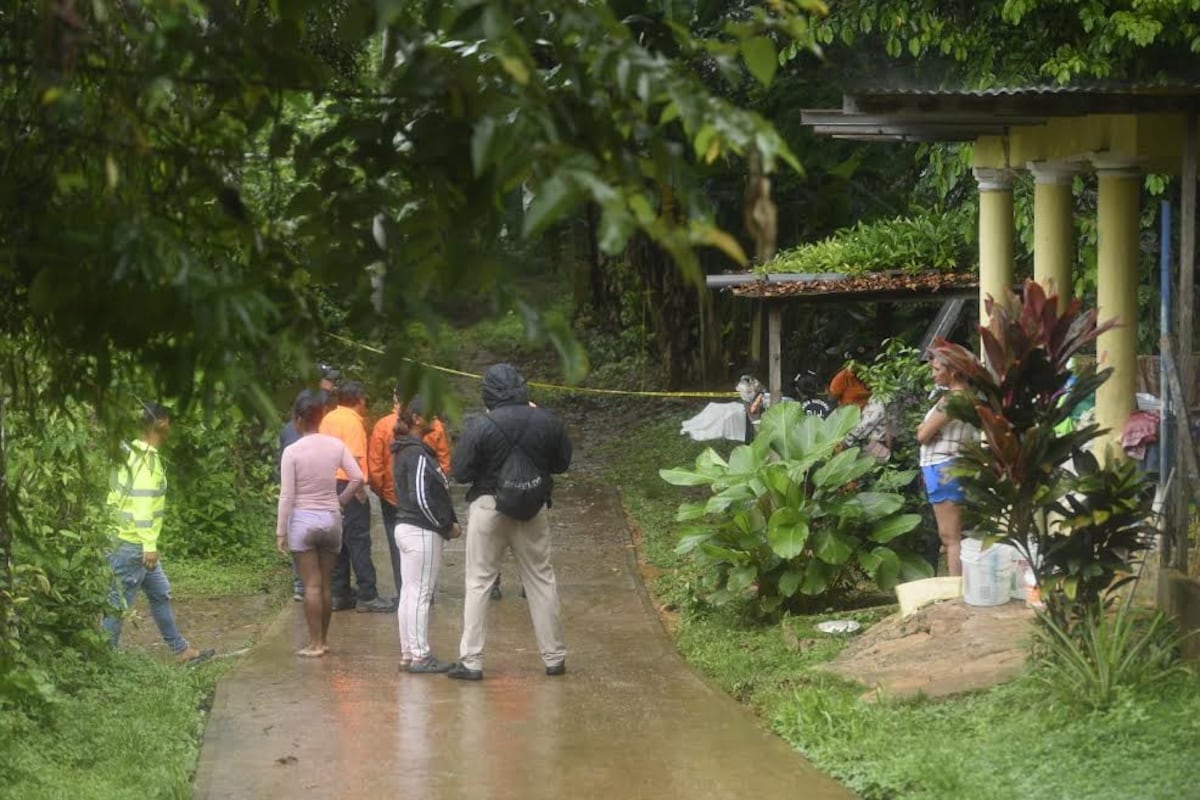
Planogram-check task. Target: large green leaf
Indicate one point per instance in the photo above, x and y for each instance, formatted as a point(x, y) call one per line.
point(684, 477)
point(889, 528)
point(878, 504)
point(888, 572)
point(749, 521)
point(552, 200)
point(816, 578)
point(832, 547)
point(740, 578)
point(777, 479)
point(689, 511)
point(761, 59)
point(724, 500)
point(690, 541)
point(787, 532)
point(913, 567)
point(718, 554)
point(743, 461)
point(843, 468)
point(789, 582)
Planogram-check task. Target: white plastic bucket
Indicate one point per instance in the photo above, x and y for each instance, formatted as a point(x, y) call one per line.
point(987, 574)
point(1022, 577)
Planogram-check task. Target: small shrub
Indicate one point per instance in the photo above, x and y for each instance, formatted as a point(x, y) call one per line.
point(787, 518)
point(220, 470)
point(1100, 656)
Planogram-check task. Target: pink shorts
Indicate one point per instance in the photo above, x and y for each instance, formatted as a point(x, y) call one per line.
point(314, 530)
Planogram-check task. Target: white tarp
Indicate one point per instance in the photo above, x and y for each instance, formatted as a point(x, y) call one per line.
point(717, 421)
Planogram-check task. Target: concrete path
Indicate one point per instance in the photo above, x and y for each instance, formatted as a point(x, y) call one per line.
point(630, 720)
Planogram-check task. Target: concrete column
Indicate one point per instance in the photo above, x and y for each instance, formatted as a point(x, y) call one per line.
point(1053, 228)
point(1117, 279)
point(995, 236)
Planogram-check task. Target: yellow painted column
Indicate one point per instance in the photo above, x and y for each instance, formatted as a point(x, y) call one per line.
point(1053, 228)
point(1117, 278)
point(995, 236)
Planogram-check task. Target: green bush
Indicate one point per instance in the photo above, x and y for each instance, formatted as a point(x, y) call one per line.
point(59, 580)
point(787, 519)
point(931, 241)
point(1104, 655)
point(221, 473)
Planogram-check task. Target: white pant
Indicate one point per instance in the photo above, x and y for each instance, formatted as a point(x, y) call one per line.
point(420, 559)
point(489, 534)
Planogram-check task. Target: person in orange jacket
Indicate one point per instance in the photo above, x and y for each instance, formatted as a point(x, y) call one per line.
point(846, 387)
point(379, 471)
point(346, 423)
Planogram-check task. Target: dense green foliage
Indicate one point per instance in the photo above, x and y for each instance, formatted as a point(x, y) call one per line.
point(223, 484)
point(1016, 739)
point(59, 579)
point(1031, 485)
point(190, 192)
point(933, 241)
point(788, 518)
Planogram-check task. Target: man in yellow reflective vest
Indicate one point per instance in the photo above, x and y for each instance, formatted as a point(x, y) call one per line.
point(137, 498)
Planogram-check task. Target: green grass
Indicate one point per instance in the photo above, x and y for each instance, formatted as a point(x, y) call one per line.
point(1012, 741)
point(129, 728)
point(262, 569)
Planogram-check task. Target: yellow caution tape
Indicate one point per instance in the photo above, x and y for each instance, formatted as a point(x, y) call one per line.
point(536, 384)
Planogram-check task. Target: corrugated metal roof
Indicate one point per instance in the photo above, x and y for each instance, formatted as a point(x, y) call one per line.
point(1183, 88)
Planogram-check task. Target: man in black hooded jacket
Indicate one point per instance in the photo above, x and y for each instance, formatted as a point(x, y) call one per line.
point(510, 421)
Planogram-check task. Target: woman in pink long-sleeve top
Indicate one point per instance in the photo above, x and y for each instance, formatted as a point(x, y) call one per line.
point(309, 525)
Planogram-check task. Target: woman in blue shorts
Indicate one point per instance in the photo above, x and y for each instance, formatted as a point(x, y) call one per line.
point(942, 439)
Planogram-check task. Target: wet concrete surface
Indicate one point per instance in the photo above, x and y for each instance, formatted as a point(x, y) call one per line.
point(629, 720)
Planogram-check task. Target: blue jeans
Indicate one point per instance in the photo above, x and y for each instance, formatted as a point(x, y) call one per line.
point(130, 575)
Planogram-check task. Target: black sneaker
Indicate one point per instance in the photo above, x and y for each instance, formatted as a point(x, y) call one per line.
point(557, 669)
point(428, 665)
point(459, 672)
point(341, 604)
point(377, 605)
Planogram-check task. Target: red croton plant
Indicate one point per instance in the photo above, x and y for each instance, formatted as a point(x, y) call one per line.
point(1030, 485)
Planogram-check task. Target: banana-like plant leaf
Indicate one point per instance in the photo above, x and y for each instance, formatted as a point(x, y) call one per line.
point(832, 547)
point(787, 532)
point(684, 477)
point(789, 582)
point(815, 579)
point(846, 466)
point(890, 527)
point(878, 504)
point(740, 578)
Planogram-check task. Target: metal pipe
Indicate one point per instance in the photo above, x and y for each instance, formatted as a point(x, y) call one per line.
point(1165, 442)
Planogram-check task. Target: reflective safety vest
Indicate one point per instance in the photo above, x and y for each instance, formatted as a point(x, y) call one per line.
point(137, 496)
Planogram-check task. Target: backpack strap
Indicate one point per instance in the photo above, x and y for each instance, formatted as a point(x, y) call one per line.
point(512, 445)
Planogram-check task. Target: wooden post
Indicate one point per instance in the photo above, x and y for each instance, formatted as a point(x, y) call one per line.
point(1179, 512)
point(1187, 255)
point(1177, 540)
point(774, 350)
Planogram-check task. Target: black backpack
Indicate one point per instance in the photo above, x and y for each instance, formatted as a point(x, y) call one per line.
point(523, 488)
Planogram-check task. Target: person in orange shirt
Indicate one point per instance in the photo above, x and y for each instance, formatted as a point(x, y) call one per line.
point(379, 471)
point(847, 388)
point(346, 423)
